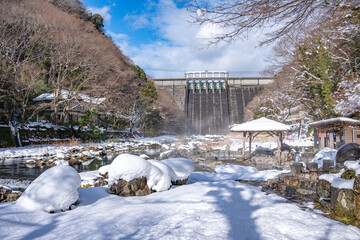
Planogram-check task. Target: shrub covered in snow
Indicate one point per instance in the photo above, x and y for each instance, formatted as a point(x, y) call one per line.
point(54, 190)
point(325, 154)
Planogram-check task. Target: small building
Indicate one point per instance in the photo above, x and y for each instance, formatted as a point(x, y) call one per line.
point(335, 132)
point(262, 125)
point(77, 105)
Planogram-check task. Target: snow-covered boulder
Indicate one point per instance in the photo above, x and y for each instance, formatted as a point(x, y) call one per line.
point(172, 153)
point(182, 167)
point(144, 156)
point(103, 171)
point(54, 190)
point(168, 173)
point(127, 167)
point(325, 154)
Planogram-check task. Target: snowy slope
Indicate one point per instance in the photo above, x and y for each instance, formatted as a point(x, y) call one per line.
point(202, 210)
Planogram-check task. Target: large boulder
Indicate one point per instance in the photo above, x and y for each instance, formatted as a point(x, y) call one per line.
point(342, 202)
point(323, 189)
point(54, 190)
point(135, 187)
point(348, 152)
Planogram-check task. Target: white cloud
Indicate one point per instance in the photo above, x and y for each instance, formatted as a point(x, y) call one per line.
point(118, 36)
point(104, 12)
point(184, 47)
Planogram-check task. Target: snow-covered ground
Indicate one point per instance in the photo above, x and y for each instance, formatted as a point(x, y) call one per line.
point(212, 208)
point(54, 150)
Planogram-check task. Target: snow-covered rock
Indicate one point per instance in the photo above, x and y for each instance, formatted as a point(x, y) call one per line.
point(168, 173)
point(353, 165)
point(144, 156)
point(325, 154)
point(103, 171)
point(182, 167)
point(54, 190)
point(128, 167)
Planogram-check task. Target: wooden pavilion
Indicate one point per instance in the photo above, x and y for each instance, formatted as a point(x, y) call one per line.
point(335, 132)
point(263, 125)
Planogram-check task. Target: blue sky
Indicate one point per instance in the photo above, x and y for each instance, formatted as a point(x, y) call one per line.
point(157, 36)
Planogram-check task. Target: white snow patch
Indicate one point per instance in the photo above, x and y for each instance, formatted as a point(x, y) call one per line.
point(54, 190)
point(235, 172)
point(341, 183)
point(331, 177)
point(89, 177)
point(325, 154)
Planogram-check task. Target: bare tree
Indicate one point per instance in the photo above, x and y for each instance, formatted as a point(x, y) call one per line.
point(239, 18)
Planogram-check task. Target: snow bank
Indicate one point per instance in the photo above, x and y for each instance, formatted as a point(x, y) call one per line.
point(237, 172)
point(325, 154)
point(182, 167)
point(128, 167)
point(54, 190)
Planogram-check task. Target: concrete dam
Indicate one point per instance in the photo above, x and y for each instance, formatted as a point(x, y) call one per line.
point(211, 100)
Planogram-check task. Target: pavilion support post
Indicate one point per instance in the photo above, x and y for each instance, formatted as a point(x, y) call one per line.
point(316, 138)
point(338, 138)
point(244, 142)
point(322, 140)
point(250, 136)
point(331, 140)
point(279, 147)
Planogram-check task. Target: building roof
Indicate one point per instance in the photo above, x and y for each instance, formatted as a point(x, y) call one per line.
point(65, 94)
point(335, 121)
point(260, 125)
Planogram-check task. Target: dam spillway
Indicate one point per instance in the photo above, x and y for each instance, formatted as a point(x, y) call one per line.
point(211, 104)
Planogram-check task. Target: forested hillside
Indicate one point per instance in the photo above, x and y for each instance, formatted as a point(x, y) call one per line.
point(317, 68)
point(47, 46)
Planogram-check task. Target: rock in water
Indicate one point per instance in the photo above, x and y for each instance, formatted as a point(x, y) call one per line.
point(54, 190)
point(348, 152)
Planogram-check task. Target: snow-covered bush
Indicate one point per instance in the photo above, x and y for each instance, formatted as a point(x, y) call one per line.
point(325, 154)
point(54, 190)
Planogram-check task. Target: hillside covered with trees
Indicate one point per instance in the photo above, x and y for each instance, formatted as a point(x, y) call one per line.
point(57, 47)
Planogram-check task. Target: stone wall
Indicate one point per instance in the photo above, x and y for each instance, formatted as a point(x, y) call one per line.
point(303, 183)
